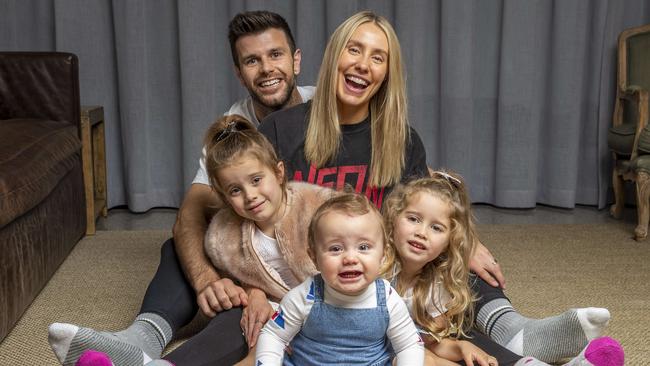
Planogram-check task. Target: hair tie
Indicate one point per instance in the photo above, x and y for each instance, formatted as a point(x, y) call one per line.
point(451, 179)
point(231, 127)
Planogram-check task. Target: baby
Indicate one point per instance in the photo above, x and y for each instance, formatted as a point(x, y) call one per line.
point(346, 314)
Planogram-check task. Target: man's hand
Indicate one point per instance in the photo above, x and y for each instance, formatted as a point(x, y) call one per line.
point(484, 265)
point(255, 315)
point(220, 295)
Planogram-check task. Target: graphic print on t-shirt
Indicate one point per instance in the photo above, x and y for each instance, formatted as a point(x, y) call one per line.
point(337, 177)
point(286, 130)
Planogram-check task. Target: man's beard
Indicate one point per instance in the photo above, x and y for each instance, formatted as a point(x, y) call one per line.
point(283, 100)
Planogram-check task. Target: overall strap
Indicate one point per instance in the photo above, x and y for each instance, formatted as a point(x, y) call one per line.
point(381, 292)
point(318, 287)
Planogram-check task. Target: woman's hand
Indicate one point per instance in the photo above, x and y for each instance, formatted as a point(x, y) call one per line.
point(485, 266)
point(255, 315)
point(220, 295)
point(473, 355)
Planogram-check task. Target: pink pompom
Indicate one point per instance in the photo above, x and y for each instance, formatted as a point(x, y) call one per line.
point(94, 358)
point(605, 351)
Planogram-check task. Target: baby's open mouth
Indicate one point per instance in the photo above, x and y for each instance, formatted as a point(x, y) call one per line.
point(350, 274)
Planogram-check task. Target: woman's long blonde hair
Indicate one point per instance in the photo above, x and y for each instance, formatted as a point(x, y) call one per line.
point(388, 107)
point(452, 266)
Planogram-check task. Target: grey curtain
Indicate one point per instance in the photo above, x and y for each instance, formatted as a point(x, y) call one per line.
point(516, 95)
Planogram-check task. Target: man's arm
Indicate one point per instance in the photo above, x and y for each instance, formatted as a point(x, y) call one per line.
point(213, 293)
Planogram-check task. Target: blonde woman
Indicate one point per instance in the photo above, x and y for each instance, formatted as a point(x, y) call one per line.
point(355, 130)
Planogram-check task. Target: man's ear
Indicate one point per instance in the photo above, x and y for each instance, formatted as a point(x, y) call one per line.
point(279, 170)
point(297, 57)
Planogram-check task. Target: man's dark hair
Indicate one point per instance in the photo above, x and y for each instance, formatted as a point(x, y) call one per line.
point(253, 22)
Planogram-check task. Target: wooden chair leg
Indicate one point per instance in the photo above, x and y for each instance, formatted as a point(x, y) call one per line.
point(619, 195)
point(642, 204)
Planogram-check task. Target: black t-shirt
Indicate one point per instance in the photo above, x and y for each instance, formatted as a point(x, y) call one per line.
point(286, 129)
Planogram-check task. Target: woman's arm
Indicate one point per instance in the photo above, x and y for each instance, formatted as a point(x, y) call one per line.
point(255, 314)
point(482, 263)
point(458, 350)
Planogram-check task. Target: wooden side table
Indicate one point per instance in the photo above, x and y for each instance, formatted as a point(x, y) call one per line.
point(93, 157)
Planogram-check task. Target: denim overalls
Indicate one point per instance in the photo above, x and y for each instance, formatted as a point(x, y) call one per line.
point(333, 335)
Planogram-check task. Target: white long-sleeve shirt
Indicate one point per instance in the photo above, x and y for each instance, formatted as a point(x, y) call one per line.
point(295, 308)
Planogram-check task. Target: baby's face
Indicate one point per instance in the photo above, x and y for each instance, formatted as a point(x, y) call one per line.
point(349, 250)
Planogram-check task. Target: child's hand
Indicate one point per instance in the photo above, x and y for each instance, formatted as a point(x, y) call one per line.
point(255, 315)
point(473, 355)
point(220, 295)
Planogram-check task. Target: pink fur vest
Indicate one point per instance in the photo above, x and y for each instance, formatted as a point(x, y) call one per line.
point(228, 241)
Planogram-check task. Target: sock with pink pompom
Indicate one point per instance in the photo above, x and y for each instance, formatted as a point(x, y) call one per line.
point(96, 358)
point(603, 351)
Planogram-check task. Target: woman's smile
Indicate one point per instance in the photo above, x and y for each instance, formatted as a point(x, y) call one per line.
point(362, 69)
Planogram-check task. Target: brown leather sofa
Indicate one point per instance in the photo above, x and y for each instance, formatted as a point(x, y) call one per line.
point(42, 203)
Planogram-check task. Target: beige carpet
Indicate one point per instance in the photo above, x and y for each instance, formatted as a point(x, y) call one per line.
point(549, 268)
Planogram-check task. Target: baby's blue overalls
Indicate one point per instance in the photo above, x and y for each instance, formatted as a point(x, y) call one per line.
point(333, 335)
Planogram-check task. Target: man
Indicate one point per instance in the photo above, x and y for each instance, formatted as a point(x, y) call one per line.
point(266, 62)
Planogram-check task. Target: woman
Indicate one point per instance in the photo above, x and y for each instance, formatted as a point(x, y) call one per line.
point(355, 129)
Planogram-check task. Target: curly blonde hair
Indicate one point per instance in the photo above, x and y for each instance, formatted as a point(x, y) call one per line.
point(452, 266)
